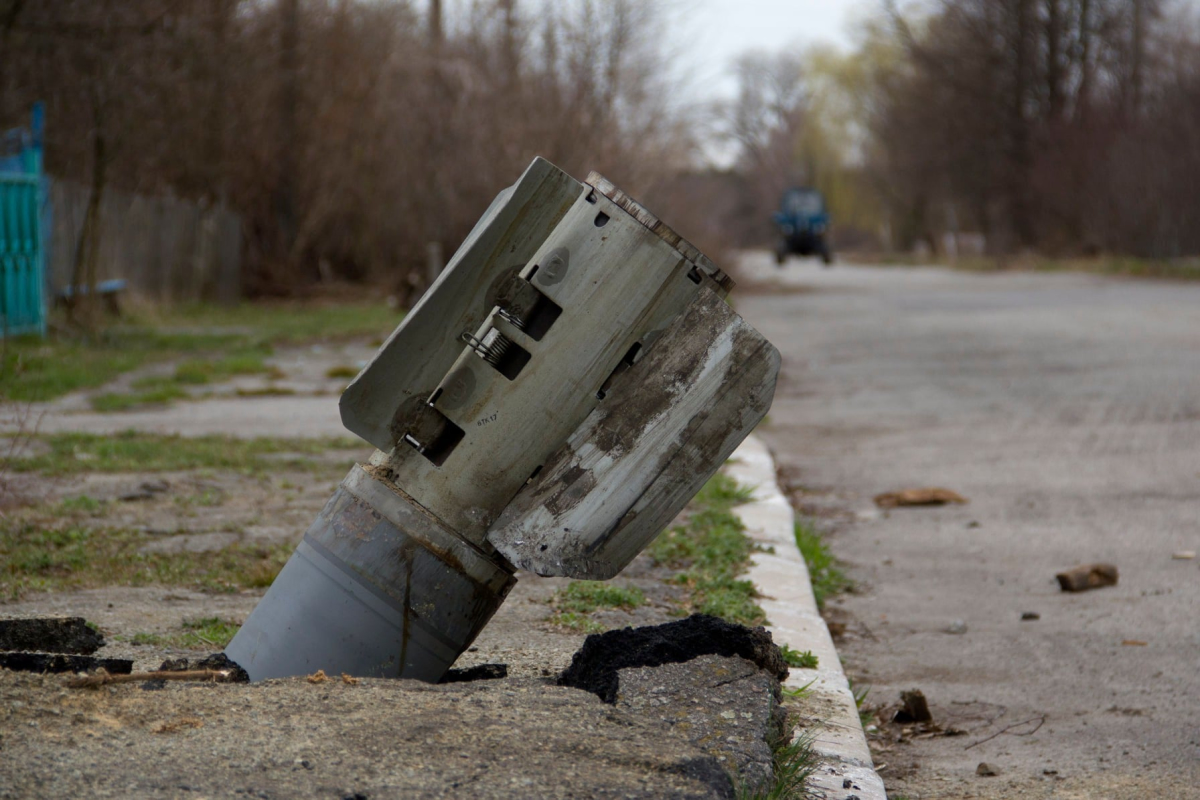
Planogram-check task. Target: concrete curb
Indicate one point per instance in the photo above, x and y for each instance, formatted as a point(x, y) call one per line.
point(782, 579)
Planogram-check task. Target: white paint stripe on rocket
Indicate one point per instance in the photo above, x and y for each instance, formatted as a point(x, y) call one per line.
point(782, 579)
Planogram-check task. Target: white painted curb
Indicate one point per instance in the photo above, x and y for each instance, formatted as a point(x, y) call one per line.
point(782, 579)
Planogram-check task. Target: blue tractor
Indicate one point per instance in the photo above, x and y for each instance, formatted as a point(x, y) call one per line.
point(803, 226)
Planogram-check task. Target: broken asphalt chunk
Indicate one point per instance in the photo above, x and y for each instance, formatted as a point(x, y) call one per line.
point(726, 706)
point(50, 635)
point(217, 661)
point(595, 666)
point(1087, 576)
point(479, 672)
point(56, 662)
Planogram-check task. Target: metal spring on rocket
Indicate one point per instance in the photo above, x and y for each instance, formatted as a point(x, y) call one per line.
point(491, 348)
point(513, 319)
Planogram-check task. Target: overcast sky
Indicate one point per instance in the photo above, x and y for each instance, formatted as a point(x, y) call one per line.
point(724, 29)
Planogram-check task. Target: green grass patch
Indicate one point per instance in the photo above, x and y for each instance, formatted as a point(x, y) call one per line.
point(131, 451)
point(81, 505)
point(827, 578)
point(801, 659)
point(41, 556)
point(343, 371)
point(35, 369)
point(123, 401)
point(164, 389)
point(208, 632)
point(585, 597)
point(267, 391)
point(577, 622)
point(573, 604)
point(147, 638)
point(294, 322)
point(711, 550)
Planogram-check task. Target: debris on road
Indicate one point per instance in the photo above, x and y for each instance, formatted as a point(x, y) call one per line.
point(217, 661)
point(1184, 555)
point(957, 628)
point(986, 770)
point(148, 490)
point(913, 708)
point(1030, 615)
point(1087, 576)
point(929, 496)
point(1134, 643)
point(57, 662)
point(479, 672)
point(103, 677)
point(50, 635)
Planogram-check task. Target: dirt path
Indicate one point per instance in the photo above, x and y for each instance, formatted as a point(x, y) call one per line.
point(1067, 409)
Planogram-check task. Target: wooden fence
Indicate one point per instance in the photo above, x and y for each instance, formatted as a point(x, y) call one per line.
point(167, 249)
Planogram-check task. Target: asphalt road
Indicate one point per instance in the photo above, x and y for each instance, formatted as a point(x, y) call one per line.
point(1067, 409)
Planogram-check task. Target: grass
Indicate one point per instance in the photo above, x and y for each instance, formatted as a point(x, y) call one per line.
point(793, 760)
point(586, 596)
point(865, 716)
point(210, 631)
point(577, 622)
point(131, 451)
point(294, 322)
point(34, 369)
point(163, 389)
point(827, 578)
point(80, 504)
point(197, 634)
point(711, 550)
point(580, 598)
point(58, 556)
point(123, 401)
point(342, 371)
point(799, 659)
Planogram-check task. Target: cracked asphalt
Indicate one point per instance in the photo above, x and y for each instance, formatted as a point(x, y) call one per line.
point(1066, 408)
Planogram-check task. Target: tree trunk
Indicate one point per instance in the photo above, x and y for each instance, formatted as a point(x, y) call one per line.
point(83, 304)
point(289, 100)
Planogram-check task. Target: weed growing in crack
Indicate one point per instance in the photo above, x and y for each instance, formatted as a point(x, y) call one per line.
point(865, 715)
point(800, 659)
point(793, 761)
point(826, 577)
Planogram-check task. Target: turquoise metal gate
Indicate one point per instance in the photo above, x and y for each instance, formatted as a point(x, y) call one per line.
point(22, 250)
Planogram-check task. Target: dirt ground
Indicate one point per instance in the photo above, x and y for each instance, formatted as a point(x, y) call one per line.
point(1066, 409)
